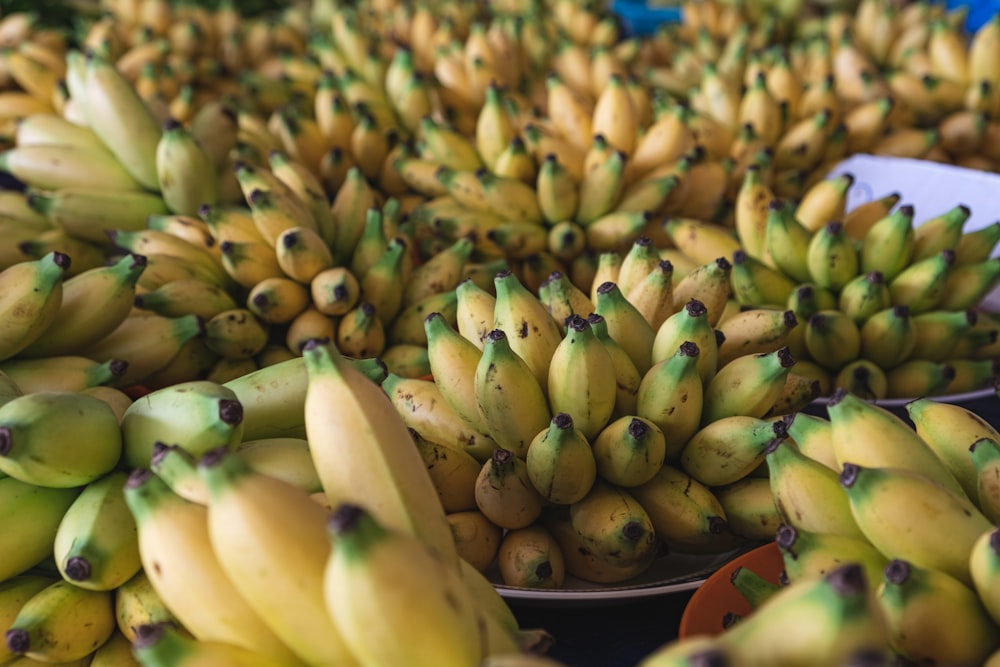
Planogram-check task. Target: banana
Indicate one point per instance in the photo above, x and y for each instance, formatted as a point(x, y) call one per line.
point(852, 622)
point(117, 650)
point(938, 332)
point(629, 451)
point(96, 546)
point(888, 337)
point(863, 296)
point(34, 440)
point(453, 472)
point(409, 500)
point(625, 324)
point(530, 557)
point(671, 395)
point(14, 593)
point(81, 619)
point(918, 377)
point(335, 291)
point(277, 300)
point(787, 241)
point(531, 333)
point(513, 418)
point(477, 539)
point(174, 534)
point(563, 299)
point(557, 192)
point(212, 417)
point(614, 117)
point(653, 295)
point(911, 596)
point(966, 285)
point(875, 495)
point(359, 333)
point(138, 604)
point(689, 323)
point(439, 143)
point(246, 510)
point(747, 385)
point(235, 334)
point(940, 232)
point(756, 284)
point(52, 167)
point(602, 185)
point(61, 373)
point(117, 115)
point(824, 202)
point(685, 514)
point(627, 376)
point(701, 241)
point(581, 378)
point(178, 468)
point(985, 454)
point(729, 448)
point(31, 299)
point(560, 462)
point(809, 555)
point(505, 493)
point(832, 339)
point(832, 257)
point(754, 331)
point(615, 527)
point(367, 556)
point(440, 273)
point(709, 283)
point(30, 520)
point(749, 508)
point(824, 508)
point(983, 561)
point(859, 219)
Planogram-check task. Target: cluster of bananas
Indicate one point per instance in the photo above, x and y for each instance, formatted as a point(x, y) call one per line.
point(884, 306)
point(221, 524)
point(575, 433)
point(863, 501)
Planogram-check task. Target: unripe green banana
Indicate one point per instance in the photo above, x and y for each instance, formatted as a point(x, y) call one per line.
point(863, 296)
point(832, 339)
point(629, 451)
point(887, 247)
point(966, 285)
point(96, 546)
point(58, 438)
point(921, 285)
point(510, 399)
point(756, 284)
point(581, 378)
point(940, 232)
point(671, 397)
point(786, 241)
point(888, 337)
point(813, 436)
point(197, 415)
point(61, 623)
point(30, 519)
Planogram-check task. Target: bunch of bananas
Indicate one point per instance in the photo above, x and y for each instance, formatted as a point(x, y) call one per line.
point(165, 531)
point(886, 305)
point(865, 500)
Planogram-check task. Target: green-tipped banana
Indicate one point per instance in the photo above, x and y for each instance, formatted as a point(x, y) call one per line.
point(262, 552)
point(747, 385)
point(58, 438)
point(888, 337)
point(629, 451)
point(941, 232)
point(581, 378)
point(786, 241)
point(729, 448)
point(30, 295)
point(96, 546)
point(88, 213)
point(809, 555)
point(61, 623)
point(160, 644)
point(887, 247)
point(625, 324)
point(531, 332)
point(30, 519)
point(921, 285)
point(689, 323)
point(907, 515)
point(985, 458)
point(62, 373)
point(832, 339)
point(198, 415)
point(671, 396)
point(863, 296)
point(915, 599)
point(14, 594)
point(117, 115)
point(560, 461)
point(510, 399)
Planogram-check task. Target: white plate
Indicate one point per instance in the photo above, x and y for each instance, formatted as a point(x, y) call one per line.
point(673, 573)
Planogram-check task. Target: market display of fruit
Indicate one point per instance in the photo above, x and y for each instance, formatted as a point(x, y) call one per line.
point(318, 315)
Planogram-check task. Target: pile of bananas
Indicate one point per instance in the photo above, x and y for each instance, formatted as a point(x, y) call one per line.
point(500, 232)
point(885, 531)
point(180, 529)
